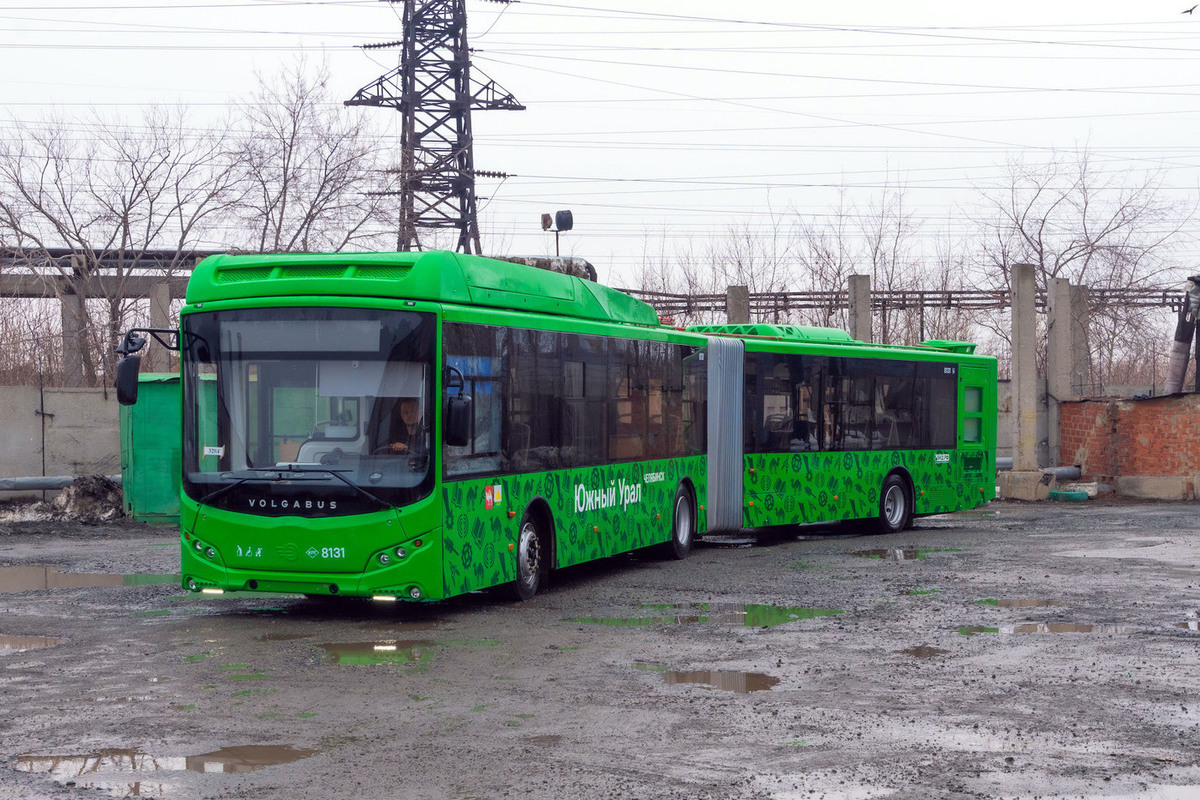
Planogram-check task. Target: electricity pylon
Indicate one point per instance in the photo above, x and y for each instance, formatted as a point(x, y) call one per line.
point(434, 89)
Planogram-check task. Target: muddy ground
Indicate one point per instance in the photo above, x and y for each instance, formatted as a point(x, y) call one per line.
point(1016, 651)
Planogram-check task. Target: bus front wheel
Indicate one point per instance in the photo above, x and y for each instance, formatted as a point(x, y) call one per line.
point(894, 505)
point(531, 561)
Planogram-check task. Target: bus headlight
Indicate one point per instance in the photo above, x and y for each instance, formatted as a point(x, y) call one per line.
point(384, 559)
point(401, 552)
point(211, 553)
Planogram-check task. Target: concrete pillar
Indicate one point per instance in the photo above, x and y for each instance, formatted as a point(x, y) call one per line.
point(860, 307)
point(1060, 359)
point(156, 358)
point(737, 305)
point(1081, 361)
point(74, 337)
point(1024, 368)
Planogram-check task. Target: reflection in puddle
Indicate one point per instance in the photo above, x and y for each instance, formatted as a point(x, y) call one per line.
point(1047, 627)
point(903, 553)
point(19, 644)
point(283, 637)
point(973, 630)
point(1019, 602)
point(39, 576)
point(924, 651)
point(545, 741)
point(1070, 627)
point(733, 542)
point(116, 767)
point(740, 682)
point(749, 615)
point(386, 652)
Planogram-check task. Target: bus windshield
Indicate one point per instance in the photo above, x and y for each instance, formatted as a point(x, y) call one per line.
point(307, 411)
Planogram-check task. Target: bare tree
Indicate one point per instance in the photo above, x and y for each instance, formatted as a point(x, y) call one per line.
point(315, 170)
point(827, 253)
point(87, 212)
point(1071, 220)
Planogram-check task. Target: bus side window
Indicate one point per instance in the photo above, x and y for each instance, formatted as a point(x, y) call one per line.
point(473, 351)
point(694, 411)
point(534, 422)
point(859, 405)
point(804, 429)
point(895, 410)
point(835, 388)
point(584, 399)
point(628, 383)
point(658, 439)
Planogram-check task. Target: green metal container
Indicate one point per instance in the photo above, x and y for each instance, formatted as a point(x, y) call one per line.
point(151, 436)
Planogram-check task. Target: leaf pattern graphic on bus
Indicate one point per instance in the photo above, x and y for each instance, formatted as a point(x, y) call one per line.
point(596, 512)
point(787, 488)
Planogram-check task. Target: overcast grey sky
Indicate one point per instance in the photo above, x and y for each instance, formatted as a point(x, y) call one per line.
point(668, 122)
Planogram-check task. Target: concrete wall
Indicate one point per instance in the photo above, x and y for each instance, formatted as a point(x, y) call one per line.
point(1005, 423)
point(1146, 448)
point(70, 431)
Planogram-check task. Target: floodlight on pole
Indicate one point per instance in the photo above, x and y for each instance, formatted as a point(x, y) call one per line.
point(561, 221)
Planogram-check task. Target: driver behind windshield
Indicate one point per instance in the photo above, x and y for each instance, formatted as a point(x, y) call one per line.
point(406, 434)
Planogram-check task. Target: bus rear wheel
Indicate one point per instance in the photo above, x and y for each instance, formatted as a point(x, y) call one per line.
point(894, 505)
point(531, 563)
point(683, 525)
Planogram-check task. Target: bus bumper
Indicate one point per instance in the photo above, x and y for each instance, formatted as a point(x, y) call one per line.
point(416, 576)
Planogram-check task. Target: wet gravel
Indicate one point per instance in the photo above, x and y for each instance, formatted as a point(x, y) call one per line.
point(1019, 650)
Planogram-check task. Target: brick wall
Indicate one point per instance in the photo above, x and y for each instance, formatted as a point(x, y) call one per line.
point(1124, 438)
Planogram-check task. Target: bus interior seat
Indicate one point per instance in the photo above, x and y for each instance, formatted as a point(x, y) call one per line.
point(289, 451)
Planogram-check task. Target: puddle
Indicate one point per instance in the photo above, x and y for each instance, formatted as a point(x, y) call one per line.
point(975, 630)
point(739, 682)
point(902, 553)
point(749, 615)
point(544, 741)
point(1047, 627)
point(19, 644)
point(1019, 602)
point(728, 542)
point(369, 653)
point(36, 577)
point(1070, 627)
point(924, 651)
point(283, 637)
point(125, 768)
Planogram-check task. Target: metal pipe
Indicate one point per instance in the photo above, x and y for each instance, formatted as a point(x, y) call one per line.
point(1063, 473)
point(44, 482)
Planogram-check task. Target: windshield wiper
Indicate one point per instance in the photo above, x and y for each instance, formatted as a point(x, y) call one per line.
point(336, 473)
point(252, 474)
point(316, 471)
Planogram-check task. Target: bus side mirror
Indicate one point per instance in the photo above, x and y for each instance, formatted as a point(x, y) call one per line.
point(457, 421)
point(127, 379)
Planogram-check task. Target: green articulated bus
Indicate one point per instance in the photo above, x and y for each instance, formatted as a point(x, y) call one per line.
point(420, 425)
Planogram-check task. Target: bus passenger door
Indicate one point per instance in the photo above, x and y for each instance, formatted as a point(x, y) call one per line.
point(977, 432)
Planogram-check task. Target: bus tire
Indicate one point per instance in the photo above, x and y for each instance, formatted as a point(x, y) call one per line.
point(531, 558)
point(683, 525)
point(895, 505)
